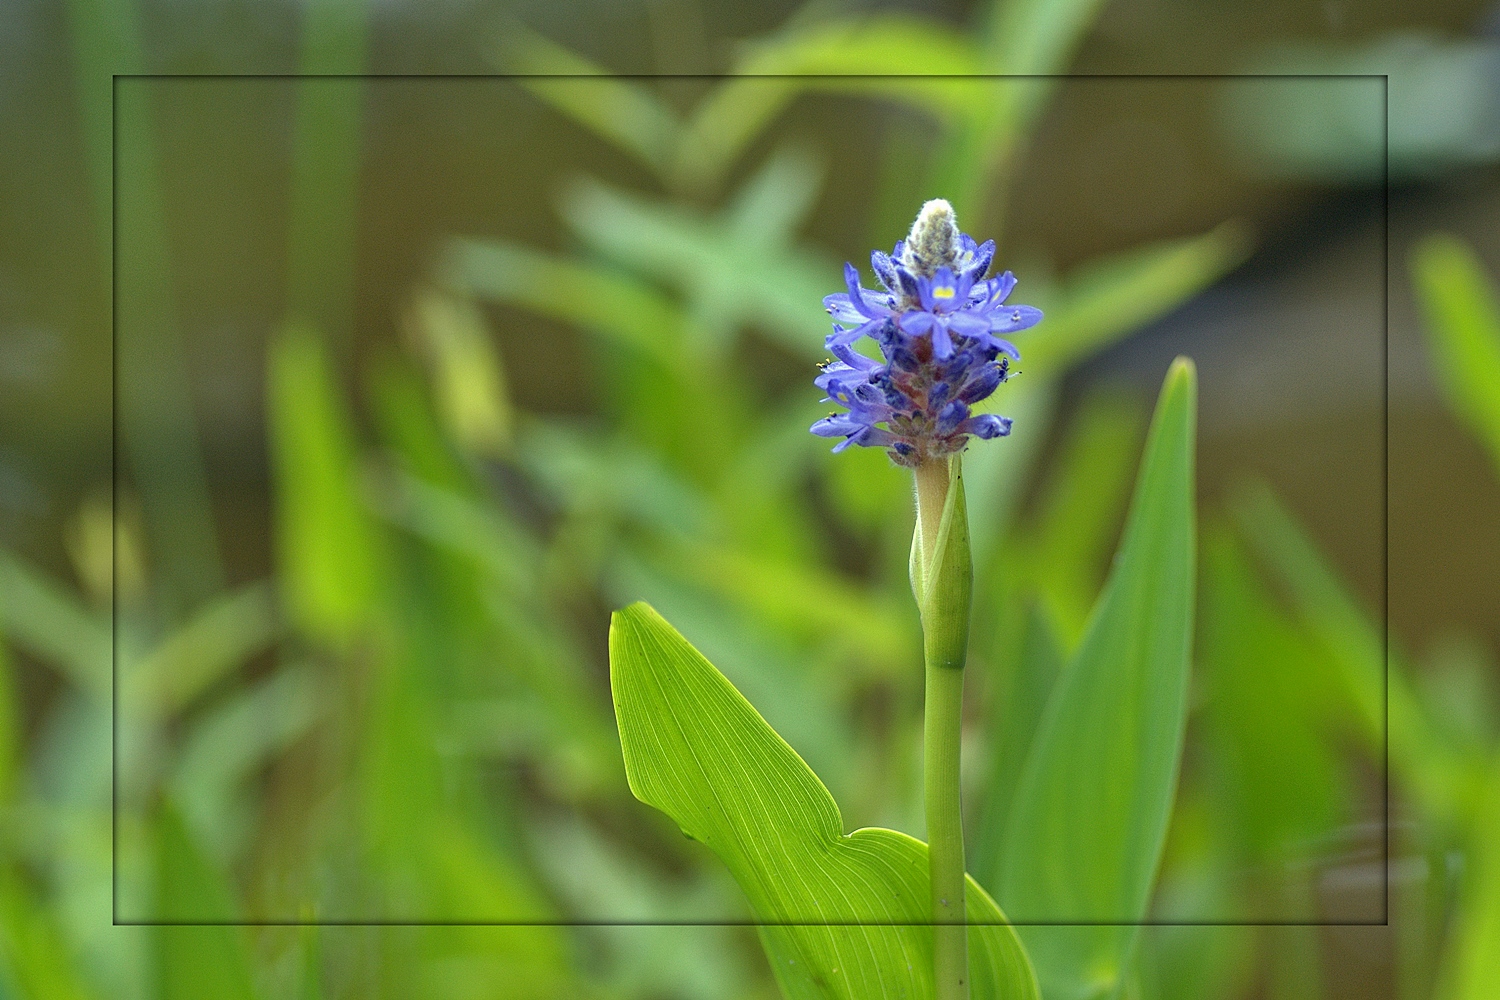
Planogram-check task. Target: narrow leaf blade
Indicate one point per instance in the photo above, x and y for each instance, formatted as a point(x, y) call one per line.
point(1085, 833)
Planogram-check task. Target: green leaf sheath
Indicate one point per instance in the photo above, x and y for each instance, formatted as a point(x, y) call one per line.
point(1085, 831)
point(845, 915)
point(943, 580)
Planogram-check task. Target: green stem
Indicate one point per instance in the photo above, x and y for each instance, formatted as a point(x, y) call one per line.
point(945, 615)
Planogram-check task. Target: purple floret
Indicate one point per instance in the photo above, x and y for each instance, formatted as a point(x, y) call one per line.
point(936, 321)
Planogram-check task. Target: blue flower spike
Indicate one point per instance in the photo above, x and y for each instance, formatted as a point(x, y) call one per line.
point(937, 321)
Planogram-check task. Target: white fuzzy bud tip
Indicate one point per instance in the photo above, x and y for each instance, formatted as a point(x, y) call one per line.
point(933, 242)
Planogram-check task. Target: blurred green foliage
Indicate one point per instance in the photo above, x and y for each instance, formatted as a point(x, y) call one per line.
point(408, 722)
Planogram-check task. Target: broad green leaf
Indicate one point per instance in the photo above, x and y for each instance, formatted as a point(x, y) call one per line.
point(1086, 829)
point(618, 110)
point(326, 546)
point(610, 304)
point(1462, 308)
point(39, 616)
point(798, 700)
point(842, 913)
point(886, 56)
point(202, 961)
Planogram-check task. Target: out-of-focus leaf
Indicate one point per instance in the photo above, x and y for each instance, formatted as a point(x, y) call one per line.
point(1471, 964)
point(1021, 39)
point(612, 477)
point(196, 962)
point(598, 879)
point(698, 751)
point(1188, 961)
point(773, 202)
point(327, 555)
point(1462, 309)
point(35, 961)
point(1432, 770)
point(620, 111)
point(218, 638)
point(38, 615)
point(1270, 711)
point(886, 56)
point(610, 304)
point(1086, 829)
point(807, 602)
point(10, 729)
point(229, 745)
point(1333, 120)
point(1015, 710)
point(1114, 296)
point(468, 376)
point(995, 477)
point(1064, 556)
point(734, 269)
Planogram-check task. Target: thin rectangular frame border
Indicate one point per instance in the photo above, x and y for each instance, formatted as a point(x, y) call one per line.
point(114, 491)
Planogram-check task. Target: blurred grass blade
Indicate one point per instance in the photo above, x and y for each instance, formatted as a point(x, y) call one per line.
point(1082, 509)
point(1462, 308)
point(996, 477)
point(610, 304)
point(1471, 965)
point(1019, 38)
point(734, 269)
point(38, 615)
point(228, 746)
point(1268, 709)
point(617, 110)
point(883, 56)
point(1344, 627)
point(1375, 678)
point(221, 636)
point(157, 423)
point(1035, 36)
point(323, 219)
point(196, 962)
point(698, 751)
point(1115, 296)
point(468, 373)
point(35, 958)
point(326, 546)
point(10, 730)
point(1086, 830)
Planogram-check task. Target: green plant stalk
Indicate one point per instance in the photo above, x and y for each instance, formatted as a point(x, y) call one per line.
point(942, 581)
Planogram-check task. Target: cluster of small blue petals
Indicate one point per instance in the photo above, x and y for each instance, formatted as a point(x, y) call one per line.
point(938, 324)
